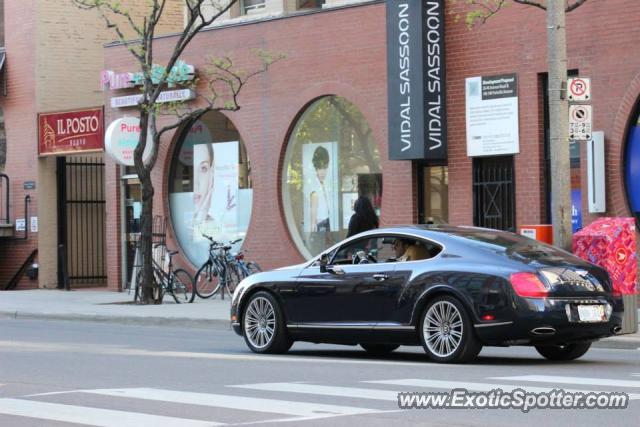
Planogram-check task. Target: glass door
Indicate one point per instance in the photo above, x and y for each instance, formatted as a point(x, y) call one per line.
point(132, 207)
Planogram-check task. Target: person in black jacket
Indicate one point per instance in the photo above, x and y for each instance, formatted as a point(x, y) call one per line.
point(364, 218)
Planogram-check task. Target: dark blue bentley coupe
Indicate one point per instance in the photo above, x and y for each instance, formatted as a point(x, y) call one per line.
point(450, 289)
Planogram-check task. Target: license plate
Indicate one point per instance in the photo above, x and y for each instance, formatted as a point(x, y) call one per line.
point(591, 313)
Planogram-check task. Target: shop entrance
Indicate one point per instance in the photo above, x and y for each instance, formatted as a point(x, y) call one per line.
point(132, 194)
point(433, 194)
point(81, 221)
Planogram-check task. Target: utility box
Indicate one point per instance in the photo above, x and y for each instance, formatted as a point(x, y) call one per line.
point(541, 232)
point(611, 244)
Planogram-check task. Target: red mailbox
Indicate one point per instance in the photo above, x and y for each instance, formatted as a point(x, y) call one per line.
point(611, 244)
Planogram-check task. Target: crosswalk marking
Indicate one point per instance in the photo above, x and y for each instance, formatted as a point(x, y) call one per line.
point(93, 416)
point(480, 386)
point(359, 393)
point(285, 407)
point(571, 380)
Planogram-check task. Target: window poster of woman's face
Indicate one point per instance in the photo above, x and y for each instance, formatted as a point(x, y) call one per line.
point(215, 189)
point(213, 208)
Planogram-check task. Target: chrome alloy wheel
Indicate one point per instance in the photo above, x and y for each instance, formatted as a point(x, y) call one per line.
point(260, 322)
point(442, 328)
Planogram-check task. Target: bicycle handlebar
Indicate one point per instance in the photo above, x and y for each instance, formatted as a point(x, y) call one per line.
point(219, 244)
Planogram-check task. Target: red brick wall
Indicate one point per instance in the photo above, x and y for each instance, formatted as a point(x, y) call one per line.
point(20, 122)
point(343, 52)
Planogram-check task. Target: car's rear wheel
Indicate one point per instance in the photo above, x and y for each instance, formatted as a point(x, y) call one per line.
point(379, 349)
point(564, 352)
point(446, 331)
point(263, 325)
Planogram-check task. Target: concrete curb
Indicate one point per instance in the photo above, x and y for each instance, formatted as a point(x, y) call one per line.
point(217, 324)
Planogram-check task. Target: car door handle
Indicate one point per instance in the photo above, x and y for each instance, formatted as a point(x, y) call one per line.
point(380, 277)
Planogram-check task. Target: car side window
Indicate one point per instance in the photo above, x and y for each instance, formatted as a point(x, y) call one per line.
point(357, 251)
point(411, 249)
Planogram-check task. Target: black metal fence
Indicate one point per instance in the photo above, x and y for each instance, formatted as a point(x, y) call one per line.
point(82, 212)
point(494, 204)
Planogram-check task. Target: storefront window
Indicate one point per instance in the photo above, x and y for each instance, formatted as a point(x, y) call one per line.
point(331, 160)
point(210, 186)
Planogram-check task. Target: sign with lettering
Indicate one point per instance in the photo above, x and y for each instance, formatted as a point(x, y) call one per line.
point(121, 139)
point(416, 80)
point(71, 132)
point(492, 115)
point(166, 96)
point(180, 73)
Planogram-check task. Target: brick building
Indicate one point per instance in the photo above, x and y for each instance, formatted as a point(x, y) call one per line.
point(336, 61)
point(313, 132)
point(53, 61)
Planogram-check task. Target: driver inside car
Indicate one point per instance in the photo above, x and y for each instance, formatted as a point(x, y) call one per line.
point(407, 250)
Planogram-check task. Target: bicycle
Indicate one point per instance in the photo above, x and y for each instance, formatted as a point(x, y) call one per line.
point(178, 283)
point(246, 268)
point(220, 266)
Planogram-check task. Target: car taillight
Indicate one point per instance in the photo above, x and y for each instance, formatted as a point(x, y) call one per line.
point(528, 285)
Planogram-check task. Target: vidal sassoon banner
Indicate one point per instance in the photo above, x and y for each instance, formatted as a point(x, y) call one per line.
point(416, 80)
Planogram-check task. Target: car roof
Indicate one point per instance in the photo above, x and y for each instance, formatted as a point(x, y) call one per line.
point(436, 231)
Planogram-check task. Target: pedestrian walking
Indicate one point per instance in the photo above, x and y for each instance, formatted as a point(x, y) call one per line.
point(364, 218)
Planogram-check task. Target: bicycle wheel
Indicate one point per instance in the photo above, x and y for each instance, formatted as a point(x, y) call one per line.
point(206, 281)
point(253, 267)
point(156, 292)
point(181, 286)
point(233, 278)
point(137, 295)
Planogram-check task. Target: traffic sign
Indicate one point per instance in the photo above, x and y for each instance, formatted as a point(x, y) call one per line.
point(580, 122)
point(579, 89)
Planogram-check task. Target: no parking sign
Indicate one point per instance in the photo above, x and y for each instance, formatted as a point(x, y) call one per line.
point(579, 89)
point(580, 122)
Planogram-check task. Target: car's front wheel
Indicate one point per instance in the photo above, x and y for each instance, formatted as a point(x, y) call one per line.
point(446, 331)
point(263, 325)
point(563, 352)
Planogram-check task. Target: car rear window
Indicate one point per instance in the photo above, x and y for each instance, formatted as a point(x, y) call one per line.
point(511, 243)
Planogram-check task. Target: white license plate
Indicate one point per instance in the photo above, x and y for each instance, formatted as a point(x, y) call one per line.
point(591, 313)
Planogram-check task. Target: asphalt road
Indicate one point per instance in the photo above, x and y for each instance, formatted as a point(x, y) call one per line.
point(69, 373)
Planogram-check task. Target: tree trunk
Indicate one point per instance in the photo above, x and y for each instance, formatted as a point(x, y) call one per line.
point(150, 293)
point(558, 125)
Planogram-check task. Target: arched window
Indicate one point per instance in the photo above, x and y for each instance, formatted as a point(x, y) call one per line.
point(210, 186)
point(331, 159)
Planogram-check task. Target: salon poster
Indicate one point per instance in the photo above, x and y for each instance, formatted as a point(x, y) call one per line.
point(320, 187)
point(215, 187)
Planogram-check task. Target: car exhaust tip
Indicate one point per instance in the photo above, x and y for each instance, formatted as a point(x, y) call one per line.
point(616, 330)
point(544, 330)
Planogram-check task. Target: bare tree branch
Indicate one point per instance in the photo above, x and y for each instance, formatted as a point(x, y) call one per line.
point(531, 3)
point(575, 5)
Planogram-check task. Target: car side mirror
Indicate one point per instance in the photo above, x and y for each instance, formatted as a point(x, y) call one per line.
point(324, 260)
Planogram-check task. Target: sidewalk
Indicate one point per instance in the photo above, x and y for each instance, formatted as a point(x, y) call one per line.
point(102, 306)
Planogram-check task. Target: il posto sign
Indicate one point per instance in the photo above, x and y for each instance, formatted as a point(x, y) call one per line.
point(71, 132)
point(416, 80)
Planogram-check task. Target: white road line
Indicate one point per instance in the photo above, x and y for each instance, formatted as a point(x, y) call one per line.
point(248, 357)
point(93, 416)
point(359, 393)
point(480, 386)
point(571, 380)
point(283, 407)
